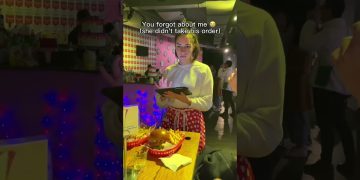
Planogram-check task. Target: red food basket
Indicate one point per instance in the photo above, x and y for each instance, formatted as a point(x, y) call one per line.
point(138, 142)
point(168, 152)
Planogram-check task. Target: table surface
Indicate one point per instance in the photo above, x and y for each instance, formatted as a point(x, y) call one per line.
point(154, 168)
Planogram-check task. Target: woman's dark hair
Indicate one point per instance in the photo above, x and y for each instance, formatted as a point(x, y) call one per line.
point(228, 63)
point(194, 41)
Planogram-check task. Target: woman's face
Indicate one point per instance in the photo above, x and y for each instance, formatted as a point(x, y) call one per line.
point(184, 49)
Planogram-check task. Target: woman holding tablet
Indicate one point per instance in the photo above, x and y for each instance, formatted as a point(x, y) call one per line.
point(184, 112)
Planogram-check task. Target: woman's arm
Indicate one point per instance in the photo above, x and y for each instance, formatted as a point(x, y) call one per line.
point(204, 101)
point(259, 123)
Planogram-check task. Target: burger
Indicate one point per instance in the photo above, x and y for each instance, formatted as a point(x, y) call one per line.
point(158, 137)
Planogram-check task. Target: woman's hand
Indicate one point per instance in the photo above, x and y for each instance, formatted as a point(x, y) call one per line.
point(181, 97)
point(163, 83)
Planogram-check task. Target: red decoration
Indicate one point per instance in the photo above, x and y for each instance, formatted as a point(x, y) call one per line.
point(19, 19)
point(63, 21)
point(28, 3)
point(9, 2)
point(94, 7)
point(101, 7)
point(38, 3)
point(71, 21)
point(28, 20)
point(55, 21)
point(19, 3)
point(46, 4)
point(46, 20)
point(37, 20)
point(79, 6)
point(86, 5)
point(71, 6)
point(64, 5)
point(10, 19)
point(55, 4)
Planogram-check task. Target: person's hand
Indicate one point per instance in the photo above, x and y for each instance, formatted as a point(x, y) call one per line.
point(163, 83)
point(181, 97)
point(347, 62)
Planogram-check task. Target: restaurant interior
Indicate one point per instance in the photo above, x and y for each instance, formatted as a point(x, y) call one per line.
point(59, 97)
point(156, 51)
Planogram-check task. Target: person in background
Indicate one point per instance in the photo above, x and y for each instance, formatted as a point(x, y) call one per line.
point(185, 112)
point(227, 92)
point(298, 92)
point(260, 92)
point(323, 34)
point(347, 63)
point(148, 70)
point(113, 46)
point(80, 17)
point(218, 89)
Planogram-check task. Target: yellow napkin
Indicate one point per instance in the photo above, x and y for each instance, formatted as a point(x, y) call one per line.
point(175, 161)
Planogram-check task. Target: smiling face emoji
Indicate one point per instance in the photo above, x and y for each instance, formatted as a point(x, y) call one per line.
point(212, 24)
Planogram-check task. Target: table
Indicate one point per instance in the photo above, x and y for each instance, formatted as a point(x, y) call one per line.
point(154, 168)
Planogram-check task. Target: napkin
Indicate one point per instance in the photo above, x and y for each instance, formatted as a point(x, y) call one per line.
point(175, 161)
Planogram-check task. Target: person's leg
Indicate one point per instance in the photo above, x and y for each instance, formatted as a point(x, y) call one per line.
point(226, 102)
point(232, 103)
point(298, 134)
point(326, 124)
point(321, 103)
point(345, 135)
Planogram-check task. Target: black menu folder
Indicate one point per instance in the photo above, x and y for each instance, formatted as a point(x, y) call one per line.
point(176, 90)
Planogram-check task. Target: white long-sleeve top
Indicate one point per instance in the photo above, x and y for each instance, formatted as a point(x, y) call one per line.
point(224, 75)
point(261, 82)
point(198, 78)
point(324, 42)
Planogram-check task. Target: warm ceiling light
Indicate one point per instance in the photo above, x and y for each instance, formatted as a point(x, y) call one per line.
point(226, 50)
point(235, 18)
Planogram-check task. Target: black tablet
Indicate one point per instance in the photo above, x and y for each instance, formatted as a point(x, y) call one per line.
point(176, 90)
point(115, 94)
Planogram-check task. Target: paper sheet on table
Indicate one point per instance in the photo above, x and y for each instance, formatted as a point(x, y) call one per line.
point(175, 161)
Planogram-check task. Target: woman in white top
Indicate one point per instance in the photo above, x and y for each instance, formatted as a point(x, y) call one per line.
point(185, 112)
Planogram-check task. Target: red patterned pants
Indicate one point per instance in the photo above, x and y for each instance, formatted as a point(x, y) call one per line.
point(186, 120)
point(244, 169)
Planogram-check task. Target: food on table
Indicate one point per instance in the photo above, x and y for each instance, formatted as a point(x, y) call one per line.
point(164, 139)
point(142, 133)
